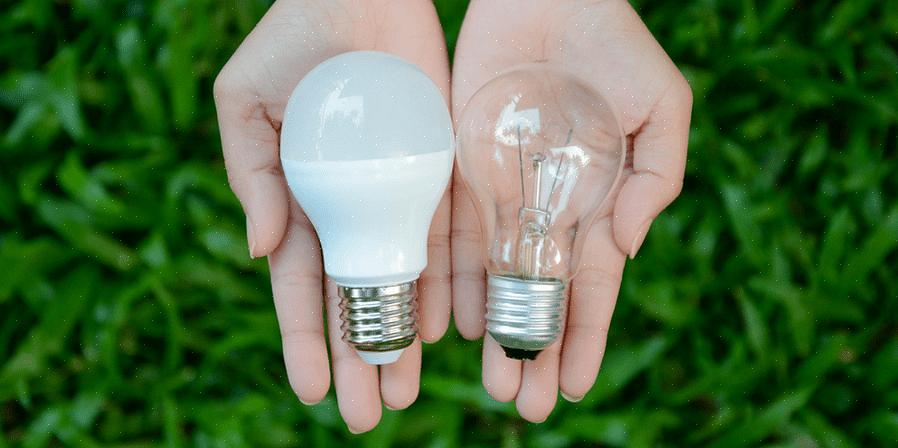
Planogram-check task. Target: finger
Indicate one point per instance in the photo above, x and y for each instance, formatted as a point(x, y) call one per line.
point(421, 42)
point(250, 106)
point(399, 382)
point(482, 50)
point(468, 274)
point(358, 397)
point(298, 298)
point(659, 162)
point(593, 296)
point(501, 374)
point(539, 384)
point(249, 141)
point(471, 70)
point(434, 286)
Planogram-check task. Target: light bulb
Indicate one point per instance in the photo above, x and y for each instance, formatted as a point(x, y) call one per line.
point(540, 152)
point(367, 149)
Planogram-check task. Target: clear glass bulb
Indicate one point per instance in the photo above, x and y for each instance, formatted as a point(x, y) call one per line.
point(540, 152)
point(367, 149)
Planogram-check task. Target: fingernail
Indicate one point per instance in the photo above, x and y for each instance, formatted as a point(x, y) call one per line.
point(640, 237)
point(353, 431)
point(307, 403)
point(250, 237)
point(389, 407)
point(570, 398)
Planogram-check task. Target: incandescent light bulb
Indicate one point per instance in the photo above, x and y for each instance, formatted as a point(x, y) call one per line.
point(367, 149)
point(540, 152)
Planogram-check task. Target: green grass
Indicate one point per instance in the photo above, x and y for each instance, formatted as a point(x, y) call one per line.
point(763, 309)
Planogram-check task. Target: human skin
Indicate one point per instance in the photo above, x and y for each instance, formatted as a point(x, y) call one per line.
point(606, 44)
point(251, 93)
point(602, 41)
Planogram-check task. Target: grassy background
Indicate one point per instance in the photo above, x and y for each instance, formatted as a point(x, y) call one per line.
point(763, 309)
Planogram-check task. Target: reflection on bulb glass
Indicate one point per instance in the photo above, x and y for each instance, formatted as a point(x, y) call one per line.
point(540, 152)
point(367, 150)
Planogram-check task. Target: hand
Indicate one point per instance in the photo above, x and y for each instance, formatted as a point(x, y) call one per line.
point(251, 93)
point(606, 44)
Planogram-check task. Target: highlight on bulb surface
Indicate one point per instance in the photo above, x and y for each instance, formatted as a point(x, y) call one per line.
point(540, 152)
point(367, 149)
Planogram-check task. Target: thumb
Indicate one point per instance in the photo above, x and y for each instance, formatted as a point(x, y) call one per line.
point(659, 162)
point(250, 146)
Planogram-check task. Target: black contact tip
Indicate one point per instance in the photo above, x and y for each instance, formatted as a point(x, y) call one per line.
point(517, 353)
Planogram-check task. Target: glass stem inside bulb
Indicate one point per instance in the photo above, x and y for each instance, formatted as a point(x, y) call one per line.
point(534, 220)
point(534, 224)
point(532, 240)
point(537, 179)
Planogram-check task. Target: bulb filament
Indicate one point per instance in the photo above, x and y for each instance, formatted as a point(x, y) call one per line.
point(534, 220)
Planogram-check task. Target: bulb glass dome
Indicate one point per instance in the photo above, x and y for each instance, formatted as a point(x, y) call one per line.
point(540, 152)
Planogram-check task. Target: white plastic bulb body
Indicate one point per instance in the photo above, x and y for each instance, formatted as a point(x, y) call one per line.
point(367, 150)
point(541, 153)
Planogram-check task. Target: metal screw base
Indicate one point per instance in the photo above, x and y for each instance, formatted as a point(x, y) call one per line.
point(524, 315)
point(379, 319)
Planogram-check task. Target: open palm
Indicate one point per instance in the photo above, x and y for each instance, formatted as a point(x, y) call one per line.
point(604, 43)
point(251, 93)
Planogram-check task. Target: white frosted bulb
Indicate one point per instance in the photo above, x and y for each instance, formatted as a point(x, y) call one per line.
point(367, 149)
point(541, 152)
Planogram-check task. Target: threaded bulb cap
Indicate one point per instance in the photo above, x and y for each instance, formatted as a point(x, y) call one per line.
point(524, 316)
point(379, 322)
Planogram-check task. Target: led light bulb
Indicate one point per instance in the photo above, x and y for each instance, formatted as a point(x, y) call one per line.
point(367, 149)
point(540, 152)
